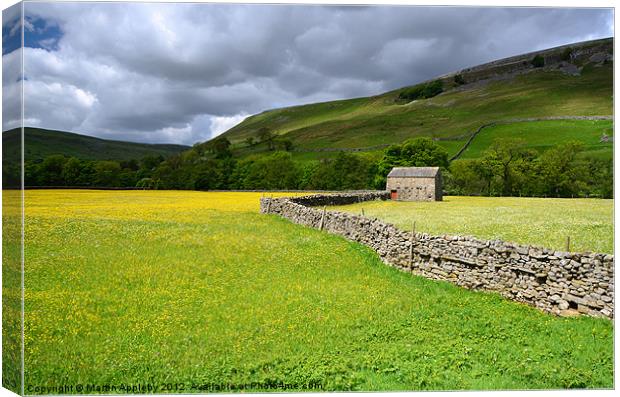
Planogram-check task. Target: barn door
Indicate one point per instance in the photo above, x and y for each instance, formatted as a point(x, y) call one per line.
point(394, 195)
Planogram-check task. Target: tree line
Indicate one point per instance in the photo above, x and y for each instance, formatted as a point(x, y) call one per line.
point(507, 168)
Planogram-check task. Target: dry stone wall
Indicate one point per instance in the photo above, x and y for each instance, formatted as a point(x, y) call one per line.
point(562, 283)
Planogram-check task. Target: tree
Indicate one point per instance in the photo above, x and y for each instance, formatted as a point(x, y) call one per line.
point(500, 161)
point(147, 183)
point(265, 135)
point(538, 61)
point(424, 152)
point(418, 152)
point(561, 172)
point(600, 177)
point(524, 173)
point(567, 54)
point(307, 173)
point(286, 144)
point(239, 174)
point(345, 172)
point(174, 174)
point(208, 176)
point(50, 170)
point(71, 172)
point(432, 89)
point(107, 173)
point(198, 148)
point(249, 141)
point(130, 164)
point(127, 178)
point(31, 174)
point(220, 147)
point(87, 173)
point(463, 179)
point(276, 171)
point(485, 168)
point(148, 164)
point(422, 91)
point(11, 175)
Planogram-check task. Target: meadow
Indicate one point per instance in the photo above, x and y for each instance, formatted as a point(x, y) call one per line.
point(543, 135)
point(542, 222)
point(196, 289)
point(11, 290)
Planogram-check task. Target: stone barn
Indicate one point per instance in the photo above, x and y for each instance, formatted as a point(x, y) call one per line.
point(415, 184)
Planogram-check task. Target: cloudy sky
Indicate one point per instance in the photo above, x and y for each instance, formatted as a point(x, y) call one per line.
point(182, 73)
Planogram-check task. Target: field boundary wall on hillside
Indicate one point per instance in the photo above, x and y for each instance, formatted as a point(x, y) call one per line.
point(522, 120)
point(562, 283)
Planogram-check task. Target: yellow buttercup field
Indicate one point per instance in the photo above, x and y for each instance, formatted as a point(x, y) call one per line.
point(193, 292)
point(167, 205)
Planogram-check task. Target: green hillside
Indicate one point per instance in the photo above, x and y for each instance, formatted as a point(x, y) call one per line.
point(40, 143)
point(542, 135)
point(498, 92)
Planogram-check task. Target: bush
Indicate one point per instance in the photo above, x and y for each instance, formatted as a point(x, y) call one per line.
point(432, 89)
point(410, 94)
point(423, 91)
point(566, 54)
point(538, 61)
point(459, 80)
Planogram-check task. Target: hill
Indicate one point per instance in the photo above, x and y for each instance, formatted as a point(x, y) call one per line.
point(536, 92)
point(40, 143)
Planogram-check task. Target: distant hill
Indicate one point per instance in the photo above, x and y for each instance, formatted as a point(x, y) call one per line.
point(41, 143)
point(521, 93)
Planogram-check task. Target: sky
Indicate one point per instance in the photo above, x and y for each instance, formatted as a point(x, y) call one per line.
point(185, 73)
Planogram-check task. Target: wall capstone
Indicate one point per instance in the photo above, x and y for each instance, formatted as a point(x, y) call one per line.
point(561, 283)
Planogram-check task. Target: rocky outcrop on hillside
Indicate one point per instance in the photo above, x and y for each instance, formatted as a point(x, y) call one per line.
point(569, 59)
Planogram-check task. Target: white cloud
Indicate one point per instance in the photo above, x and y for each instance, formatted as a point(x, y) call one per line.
point(221, 124)
point(84, 98)
point(11, 90)
point(63, 105)
point(176, 134)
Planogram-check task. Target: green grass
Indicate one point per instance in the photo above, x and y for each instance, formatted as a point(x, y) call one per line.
point(542, 135)
point(11, 290)
point(452, 146)
point(198, 288)
point(370, 121)
point(536, 221)
point(40, 143)
point(306, 157)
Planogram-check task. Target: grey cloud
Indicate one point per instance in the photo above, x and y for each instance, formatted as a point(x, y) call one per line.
point(170, 72)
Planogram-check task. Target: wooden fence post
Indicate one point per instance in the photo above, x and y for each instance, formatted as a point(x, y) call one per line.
point(411, 246)
point(567, 243)
point(323, 218)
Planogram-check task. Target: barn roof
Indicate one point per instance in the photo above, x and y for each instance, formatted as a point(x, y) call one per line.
point(413, 172)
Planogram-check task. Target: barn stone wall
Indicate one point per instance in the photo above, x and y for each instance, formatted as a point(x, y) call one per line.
point(416, 188)
point(562, 283)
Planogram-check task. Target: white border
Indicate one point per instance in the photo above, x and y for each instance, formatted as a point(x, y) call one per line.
point(479, 3)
